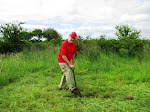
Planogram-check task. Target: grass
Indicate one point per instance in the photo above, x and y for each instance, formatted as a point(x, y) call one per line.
point(29, 81)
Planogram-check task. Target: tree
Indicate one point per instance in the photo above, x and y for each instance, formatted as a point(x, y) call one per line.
point(38, 33)
point(51, 33)
point(27, 35)
point(79, 44)
point(12, 37)
point(130, 38)
point(102, 36)
point(125, 32)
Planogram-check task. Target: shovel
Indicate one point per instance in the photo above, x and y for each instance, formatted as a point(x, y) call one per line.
point(76, 90)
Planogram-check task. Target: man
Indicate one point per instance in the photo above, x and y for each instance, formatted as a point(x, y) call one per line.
point(66, 60)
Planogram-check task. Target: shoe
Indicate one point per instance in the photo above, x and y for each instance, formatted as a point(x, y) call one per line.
point(63, 87)
point(59, 88)
point(72, 89)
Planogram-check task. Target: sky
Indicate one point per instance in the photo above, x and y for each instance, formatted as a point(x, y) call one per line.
point(85, 17)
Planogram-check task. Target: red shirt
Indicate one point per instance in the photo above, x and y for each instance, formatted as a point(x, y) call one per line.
point(67, 49)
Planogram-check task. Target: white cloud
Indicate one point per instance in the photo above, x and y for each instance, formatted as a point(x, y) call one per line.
point(133, 18)
point(31, 27)
point(32, 9)
point(84, 31)
point(87, 12)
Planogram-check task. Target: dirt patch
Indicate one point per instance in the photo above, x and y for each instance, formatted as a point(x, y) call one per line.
point(70, 96)
point(130, 98)
point(107, 96)
point(88, 95)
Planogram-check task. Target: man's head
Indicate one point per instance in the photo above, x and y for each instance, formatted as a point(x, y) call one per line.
point(72, 37)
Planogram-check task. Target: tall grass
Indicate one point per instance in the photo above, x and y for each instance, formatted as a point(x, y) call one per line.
point(15, 66)
point(108, 83)
point(116, 67)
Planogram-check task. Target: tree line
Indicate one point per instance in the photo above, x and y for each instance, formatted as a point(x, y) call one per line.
point(128, 44)
point(13, 38)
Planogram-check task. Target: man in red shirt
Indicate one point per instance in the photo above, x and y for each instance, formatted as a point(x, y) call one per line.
point(66, 60)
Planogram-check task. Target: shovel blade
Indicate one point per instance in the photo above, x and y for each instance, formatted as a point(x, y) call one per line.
point(76, 92)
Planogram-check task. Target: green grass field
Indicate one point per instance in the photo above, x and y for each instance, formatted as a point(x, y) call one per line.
point(29, 81)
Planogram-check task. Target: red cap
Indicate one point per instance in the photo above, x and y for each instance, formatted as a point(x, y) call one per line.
point(73, 35)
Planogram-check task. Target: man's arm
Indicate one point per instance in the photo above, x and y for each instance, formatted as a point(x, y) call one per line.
point(68, 62)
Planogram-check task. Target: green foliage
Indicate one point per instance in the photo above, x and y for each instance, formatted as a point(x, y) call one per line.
point(56, 42)
point(107, 46)
point(79, 44)
point(146, 46)
point(93, 53)
point(39, 46)
point(27, 35)
point(15, 39)
point(129, 38)
point(51, 33)
point(103, 45)
point(124, 32)
point(38, 33)
point(35, 46)
point(12, 37)
point(123, 52)
point(88, 37)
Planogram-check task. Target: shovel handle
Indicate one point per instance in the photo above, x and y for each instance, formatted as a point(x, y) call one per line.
point(74, 78)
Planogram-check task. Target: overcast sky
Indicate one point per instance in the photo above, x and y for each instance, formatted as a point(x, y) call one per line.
point(86, 17)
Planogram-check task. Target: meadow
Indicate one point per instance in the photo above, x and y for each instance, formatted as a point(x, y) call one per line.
point(29, 82)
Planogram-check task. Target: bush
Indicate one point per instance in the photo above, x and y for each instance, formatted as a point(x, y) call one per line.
point(56, 42)
point(51, 33)
point(129, 38)
point(34, 46)
point(79, 44)
point(123, 52)
point(12, 38)
point(93, 53)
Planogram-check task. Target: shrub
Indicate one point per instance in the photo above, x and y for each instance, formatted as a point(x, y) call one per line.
point(12, 38)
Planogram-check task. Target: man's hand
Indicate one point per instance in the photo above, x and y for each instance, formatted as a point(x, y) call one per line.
point(68, 62)
point(71, 66)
